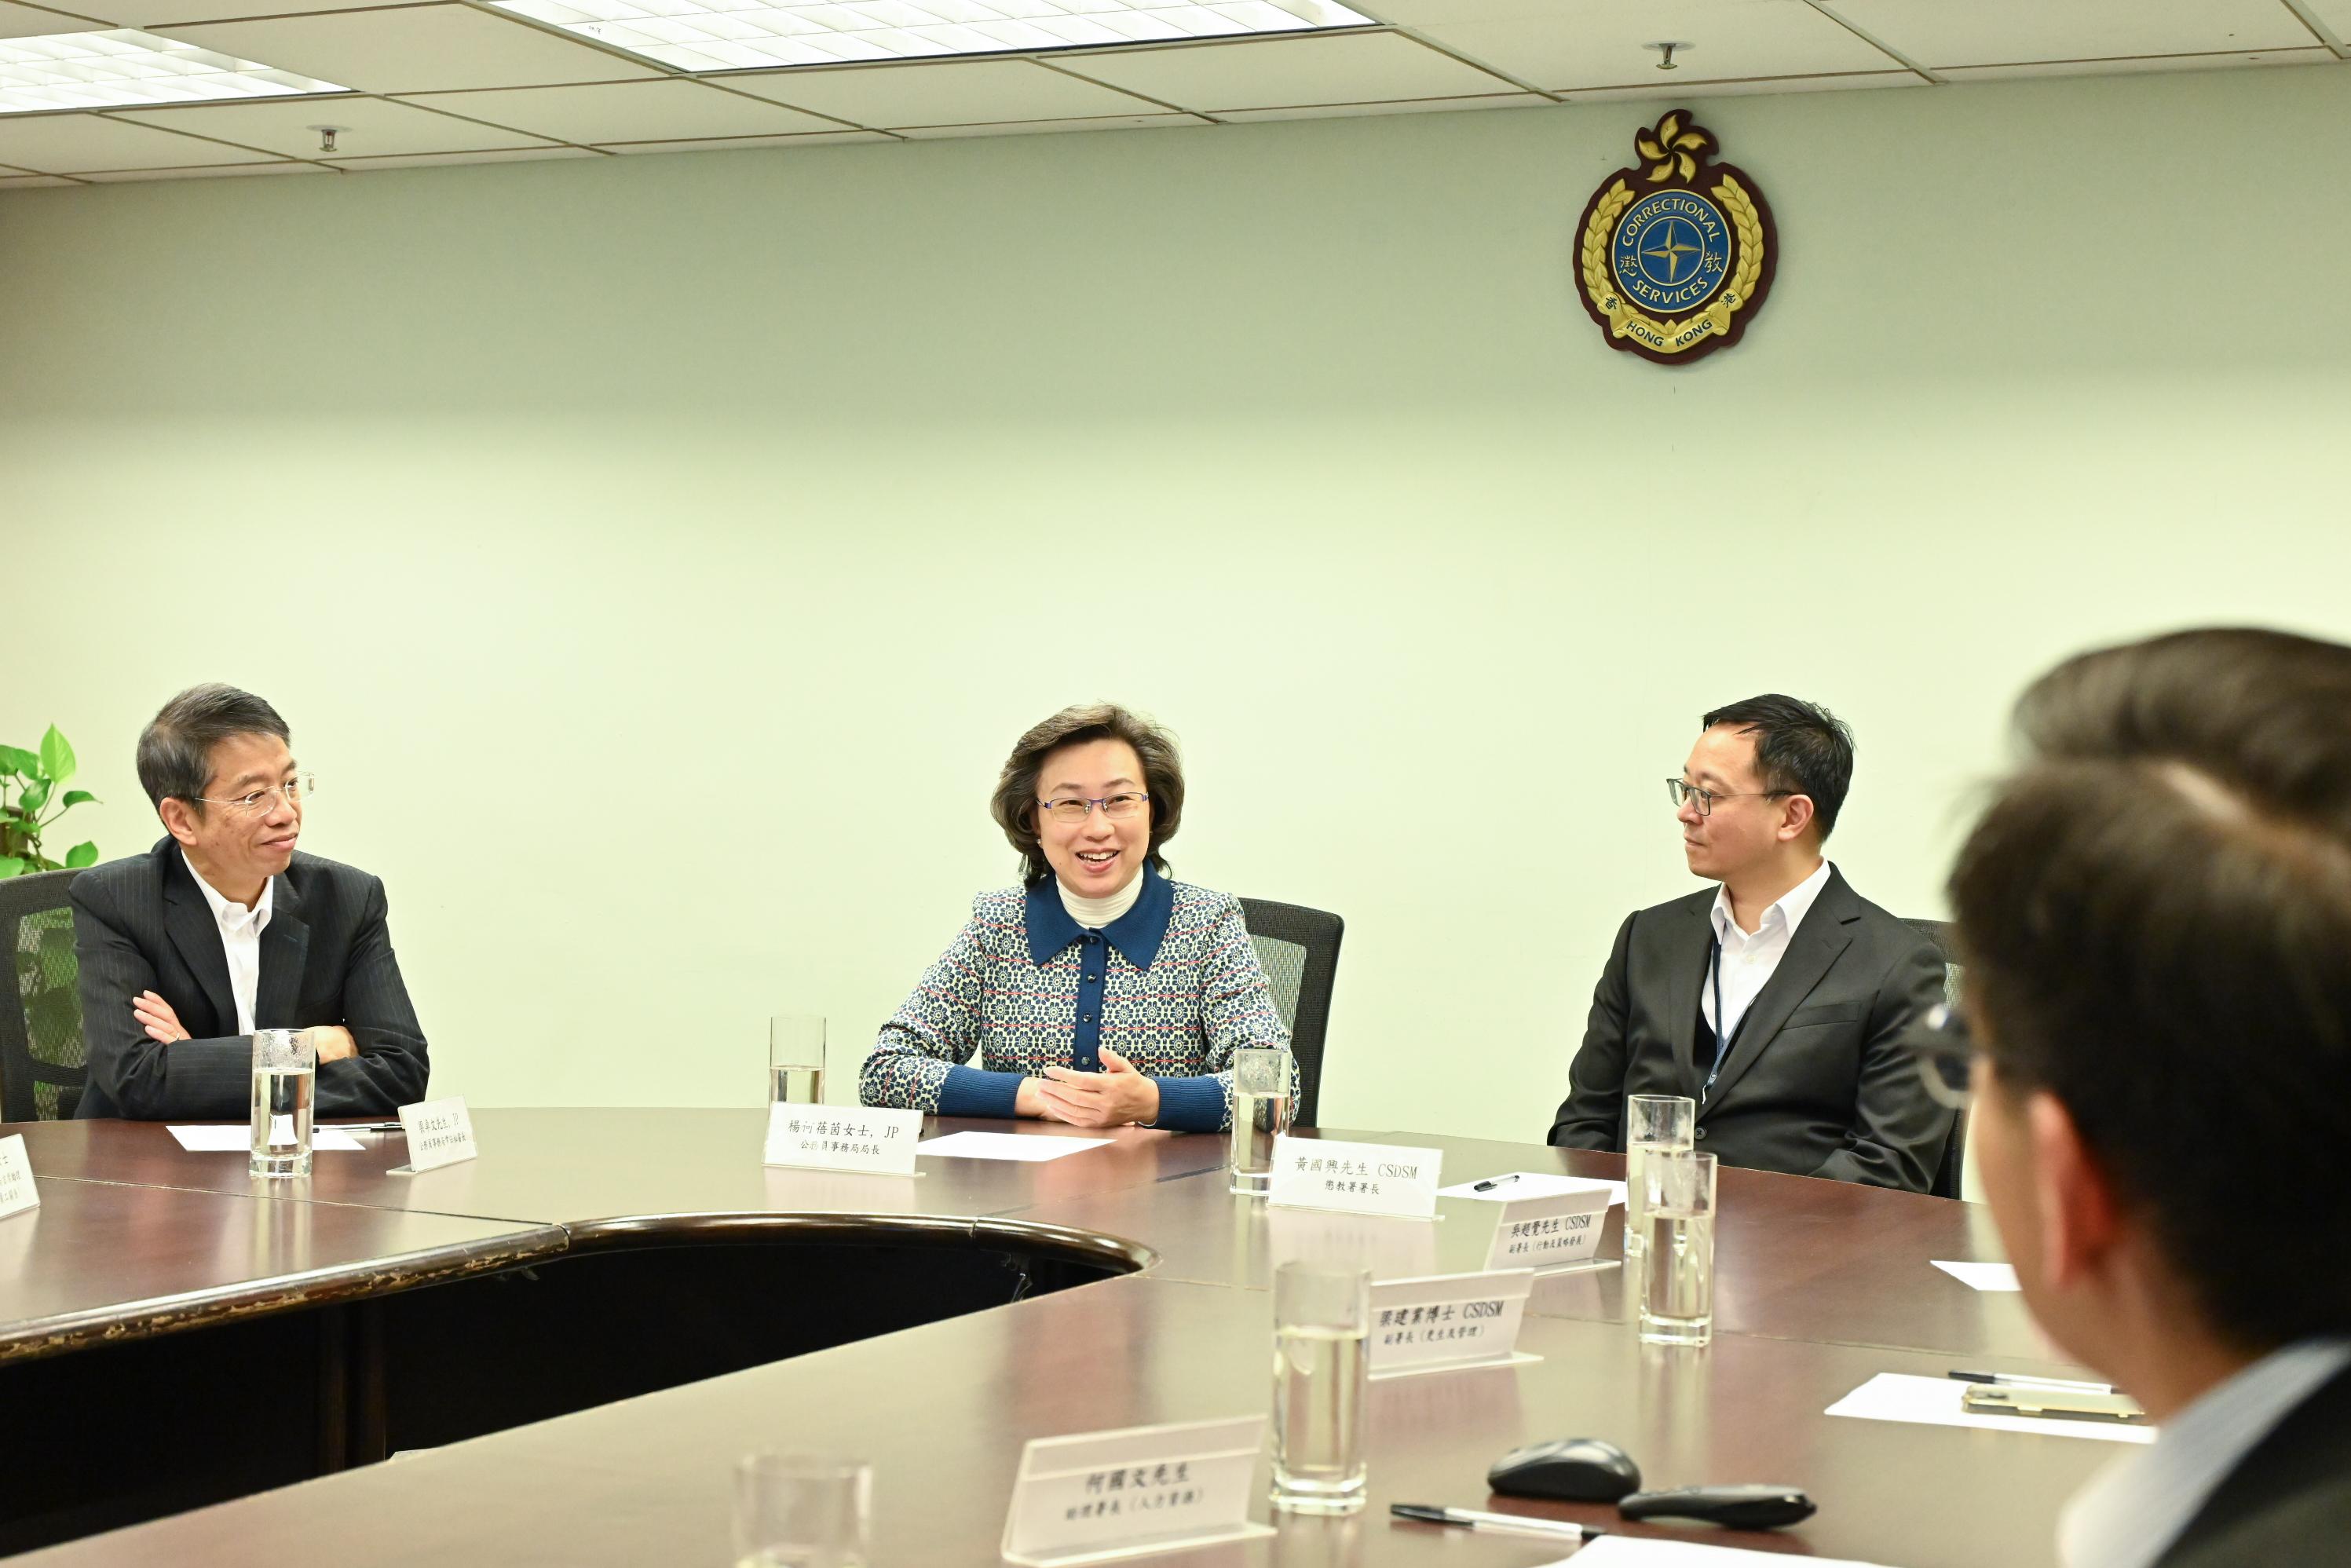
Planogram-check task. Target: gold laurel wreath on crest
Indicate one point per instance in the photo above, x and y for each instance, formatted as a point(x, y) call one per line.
point(1623, 317)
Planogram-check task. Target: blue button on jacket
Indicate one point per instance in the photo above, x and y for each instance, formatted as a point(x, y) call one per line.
point(1173, 986)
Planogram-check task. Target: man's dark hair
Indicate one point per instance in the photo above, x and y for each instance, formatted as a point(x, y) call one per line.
point(175, 749)
point(1800, 748)
point(2154, 914)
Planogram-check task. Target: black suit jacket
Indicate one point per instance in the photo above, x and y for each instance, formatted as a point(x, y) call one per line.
point(142, 923)
point(2288, 1502)
point(1815, 1084)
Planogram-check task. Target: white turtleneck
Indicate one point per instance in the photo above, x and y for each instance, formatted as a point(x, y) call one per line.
point(1093, 913)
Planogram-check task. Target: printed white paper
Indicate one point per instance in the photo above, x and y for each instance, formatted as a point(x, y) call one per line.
point(1356, 1178)
point(1453, 1320)
point(17, 1192)
point(440, 1133)
point(1935, 1402)
point(843, 1138)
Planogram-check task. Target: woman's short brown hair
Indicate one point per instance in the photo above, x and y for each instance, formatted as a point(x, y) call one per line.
point(1014, 801)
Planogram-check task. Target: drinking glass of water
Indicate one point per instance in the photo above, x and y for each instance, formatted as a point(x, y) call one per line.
point(1261, 1110)
point(285, 1073)
point(1322, 1332)
point(1651, 1122)
point(796, 1059)
point(792, 1511)
point(1678, 1286)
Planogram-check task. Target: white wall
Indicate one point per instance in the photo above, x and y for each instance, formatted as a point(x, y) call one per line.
point(655, 556)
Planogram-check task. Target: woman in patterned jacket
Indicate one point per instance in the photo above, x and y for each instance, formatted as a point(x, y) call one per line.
point(1100, 992)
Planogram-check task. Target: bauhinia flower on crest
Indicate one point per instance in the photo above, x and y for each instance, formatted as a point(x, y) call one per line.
point(1671, 147)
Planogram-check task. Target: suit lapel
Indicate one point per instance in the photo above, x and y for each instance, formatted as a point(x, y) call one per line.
point(189, 921)
point(285, 948)
point(1827, 932)
point(1684, 979)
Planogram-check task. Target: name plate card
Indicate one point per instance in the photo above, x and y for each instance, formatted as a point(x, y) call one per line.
point(17, 1192)
point(1357, 1178)
point(1132, 1493)
point(440, 1134)
point(1561, 1231)
point(843, 1138)
point(1454, 1319)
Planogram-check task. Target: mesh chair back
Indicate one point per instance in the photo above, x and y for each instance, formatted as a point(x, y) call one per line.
point(1947, 1174)
point(42, 1052)
point(1298, 948)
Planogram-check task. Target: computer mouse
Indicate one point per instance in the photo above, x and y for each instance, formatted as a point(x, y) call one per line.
point(1573, 1469)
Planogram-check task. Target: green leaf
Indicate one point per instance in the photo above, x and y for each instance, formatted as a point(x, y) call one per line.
point(75, 797)
point(81, 855)
point(10, 865)
point(16, 759)
point(36, 796)
point(57, 756)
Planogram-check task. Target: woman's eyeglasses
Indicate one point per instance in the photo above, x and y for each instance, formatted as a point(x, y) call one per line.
point(1115, 806)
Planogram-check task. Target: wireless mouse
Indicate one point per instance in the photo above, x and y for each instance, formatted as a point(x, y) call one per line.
point(1573, 1469)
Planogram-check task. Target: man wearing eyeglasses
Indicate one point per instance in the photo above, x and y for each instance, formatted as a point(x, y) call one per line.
point(224, 928)
point(2156, 914)
point(1777, 1001)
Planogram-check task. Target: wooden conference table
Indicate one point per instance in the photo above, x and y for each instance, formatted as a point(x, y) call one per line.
point(576, 1335)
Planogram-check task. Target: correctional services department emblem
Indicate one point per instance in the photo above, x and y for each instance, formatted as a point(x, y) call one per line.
point(1674, 254)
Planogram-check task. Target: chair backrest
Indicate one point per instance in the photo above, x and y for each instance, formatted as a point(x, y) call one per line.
point(1298, 948)
point(42, 1055)
point(1947, 1174)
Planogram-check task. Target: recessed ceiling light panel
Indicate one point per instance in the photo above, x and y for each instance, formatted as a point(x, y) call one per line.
point(119, 68)
point(749, 34)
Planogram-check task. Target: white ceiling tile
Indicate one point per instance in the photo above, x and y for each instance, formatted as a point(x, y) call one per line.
point(29, 182)
point(1282, 72)
point(963, 92)
point(155, 14)
point(731, 144)
point(1697, 90)
point(1032, 126)
point(84, 144)
point(370, 127)
point(1598, 43)
point(414, 48)
point(207, 171)
point(31, 21)
point(628, 111)
point(2313, 55)
point(2335, 16)
point(423, 160)
point(1412, 105)
point(1937, 33)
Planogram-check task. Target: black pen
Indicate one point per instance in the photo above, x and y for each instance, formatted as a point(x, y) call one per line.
point(2018, 1380)
point(1491, 1183)
point(1473, 1518)
point(362, 1127)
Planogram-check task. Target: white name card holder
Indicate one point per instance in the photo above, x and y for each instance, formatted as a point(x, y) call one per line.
point(440, 1134)
point(1449, 1322)
point(844, 1138)
point(1098, 1496)
point(17, 1192)
point(1355, 1178)
point(1554, 1235)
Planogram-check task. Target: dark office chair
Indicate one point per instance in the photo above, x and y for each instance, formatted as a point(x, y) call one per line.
point(42, 1052)
point(1298, 948)
point(1947, 1174)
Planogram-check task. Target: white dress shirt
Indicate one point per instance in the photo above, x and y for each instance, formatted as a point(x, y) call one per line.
point(240, 932)
point(2131, 1513)
point(1748, 962)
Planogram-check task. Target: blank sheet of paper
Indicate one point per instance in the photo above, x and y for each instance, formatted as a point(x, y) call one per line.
point(1624, 1552)
point(1005, 1146)
point(1935, 1402)
point(1982, 1276)
point(237, 1138)
point(1533, 1184)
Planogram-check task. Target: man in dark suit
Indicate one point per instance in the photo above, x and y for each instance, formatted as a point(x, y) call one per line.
point(2156, 915)
point(1777, 998)
point(224, 928)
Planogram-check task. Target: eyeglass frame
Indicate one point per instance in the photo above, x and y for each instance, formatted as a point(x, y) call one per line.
point(1141, 796)
point(1938, 1040)
point(1677, 788)
point(294, 790)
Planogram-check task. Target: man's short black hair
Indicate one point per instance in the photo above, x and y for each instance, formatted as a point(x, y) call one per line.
point(2154, 914)
point(175, 749)
point(1800, 748)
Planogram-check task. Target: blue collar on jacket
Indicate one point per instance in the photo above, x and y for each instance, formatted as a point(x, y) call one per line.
point(1138, 933)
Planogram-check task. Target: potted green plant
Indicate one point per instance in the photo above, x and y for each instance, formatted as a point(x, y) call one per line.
point(28, 786)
